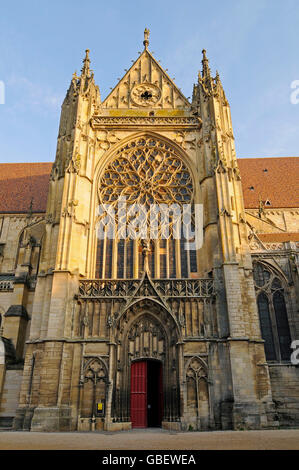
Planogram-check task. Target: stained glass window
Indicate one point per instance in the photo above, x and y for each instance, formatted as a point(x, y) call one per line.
point(273, 315)
point(150, 173)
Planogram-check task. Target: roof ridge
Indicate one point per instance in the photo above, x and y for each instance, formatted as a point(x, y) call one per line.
point(26, 163)
point(265, 158)
point(238, 158)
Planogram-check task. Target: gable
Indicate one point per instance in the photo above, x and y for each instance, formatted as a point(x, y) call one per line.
point(146, 85)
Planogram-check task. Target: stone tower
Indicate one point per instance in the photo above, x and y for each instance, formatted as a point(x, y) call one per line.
point(142, 331)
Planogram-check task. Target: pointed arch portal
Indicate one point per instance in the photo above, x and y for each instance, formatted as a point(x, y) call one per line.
point(146, 378)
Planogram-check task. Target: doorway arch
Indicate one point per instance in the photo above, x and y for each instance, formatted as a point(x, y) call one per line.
point(146, 334)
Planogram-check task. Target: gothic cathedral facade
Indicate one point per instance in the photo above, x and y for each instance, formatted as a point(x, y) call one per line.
point(114, 332)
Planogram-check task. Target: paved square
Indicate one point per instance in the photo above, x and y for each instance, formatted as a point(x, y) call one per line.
point(152, 439)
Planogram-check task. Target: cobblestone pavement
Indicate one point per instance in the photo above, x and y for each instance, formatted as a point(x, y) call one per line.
point(152, 439)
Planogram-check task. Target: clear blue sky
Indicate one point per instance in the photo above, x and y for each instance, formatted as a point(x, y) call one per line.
point(252, 43)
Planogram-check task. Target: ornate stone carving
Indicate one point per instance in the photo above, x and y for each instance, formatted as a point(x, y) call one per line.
point(136, 288)
point(74, 164)
point(145, 94)
point(123, 122)
point(274, 246)
point(225, 212)
point(146, 339)
point(196, 370)
point(186, 141)
point(197, 380)
point(106, 139)
point(146, 84)
point(49, 219)
point(146, 171)
point(95, 370)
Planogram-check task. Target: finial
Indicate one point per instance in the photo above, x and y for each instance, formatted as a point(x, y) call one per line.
point(146, 36)
point(205, 65)
point(86, 63)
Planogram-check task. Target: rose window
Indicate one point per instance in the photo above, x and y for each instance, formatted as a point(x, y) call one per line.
point(147, 172)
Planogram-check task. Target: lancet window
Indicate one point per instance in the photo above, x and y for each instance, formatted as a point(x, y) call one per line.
point(272, 307)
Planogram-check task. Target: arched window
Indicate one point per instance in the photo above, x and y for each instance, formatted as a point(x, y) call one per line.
point(282, 324)
point(272, 313)
point(149, 173)
point(266, 327)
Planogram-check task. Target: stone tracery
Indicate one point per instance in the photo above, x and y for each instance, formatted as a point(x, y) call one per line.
point(272, 306)
point(146, 171)
point(149, 172)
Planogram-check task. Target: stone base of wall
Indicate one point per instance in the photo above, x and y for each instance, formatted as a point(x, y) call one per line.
point(250, 416)
point(10, 394)
point(52, 419)
point(23, 418)
point(226, 412)
point(117, 426)
point(88, 424)
point(28, 419)
point(172, 425)
point(285, 393)
point(18, 424)
point(189, 423)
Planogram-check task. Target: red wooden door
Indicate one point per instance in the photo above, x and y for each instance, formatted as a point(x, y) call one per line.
point(139, 394)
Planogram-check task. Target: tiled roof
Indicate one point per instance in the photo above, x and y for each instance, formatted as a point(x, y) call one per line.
point(20, 182)
point(279, 237)
point(272, 179)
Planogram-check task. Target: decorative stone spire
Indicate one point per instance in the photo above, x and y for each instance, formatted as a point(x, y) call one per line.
point(86, 64)
point(219, 88)
point(146, 36)
point(206, 73)
point(87, 76)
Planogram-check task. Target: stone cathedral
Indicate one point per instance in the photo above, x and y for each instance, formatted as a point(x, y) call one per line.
point(114, 333)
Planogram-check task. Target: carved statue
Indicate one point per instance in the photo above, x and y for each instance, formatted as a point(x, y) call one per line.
point(146, 248)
